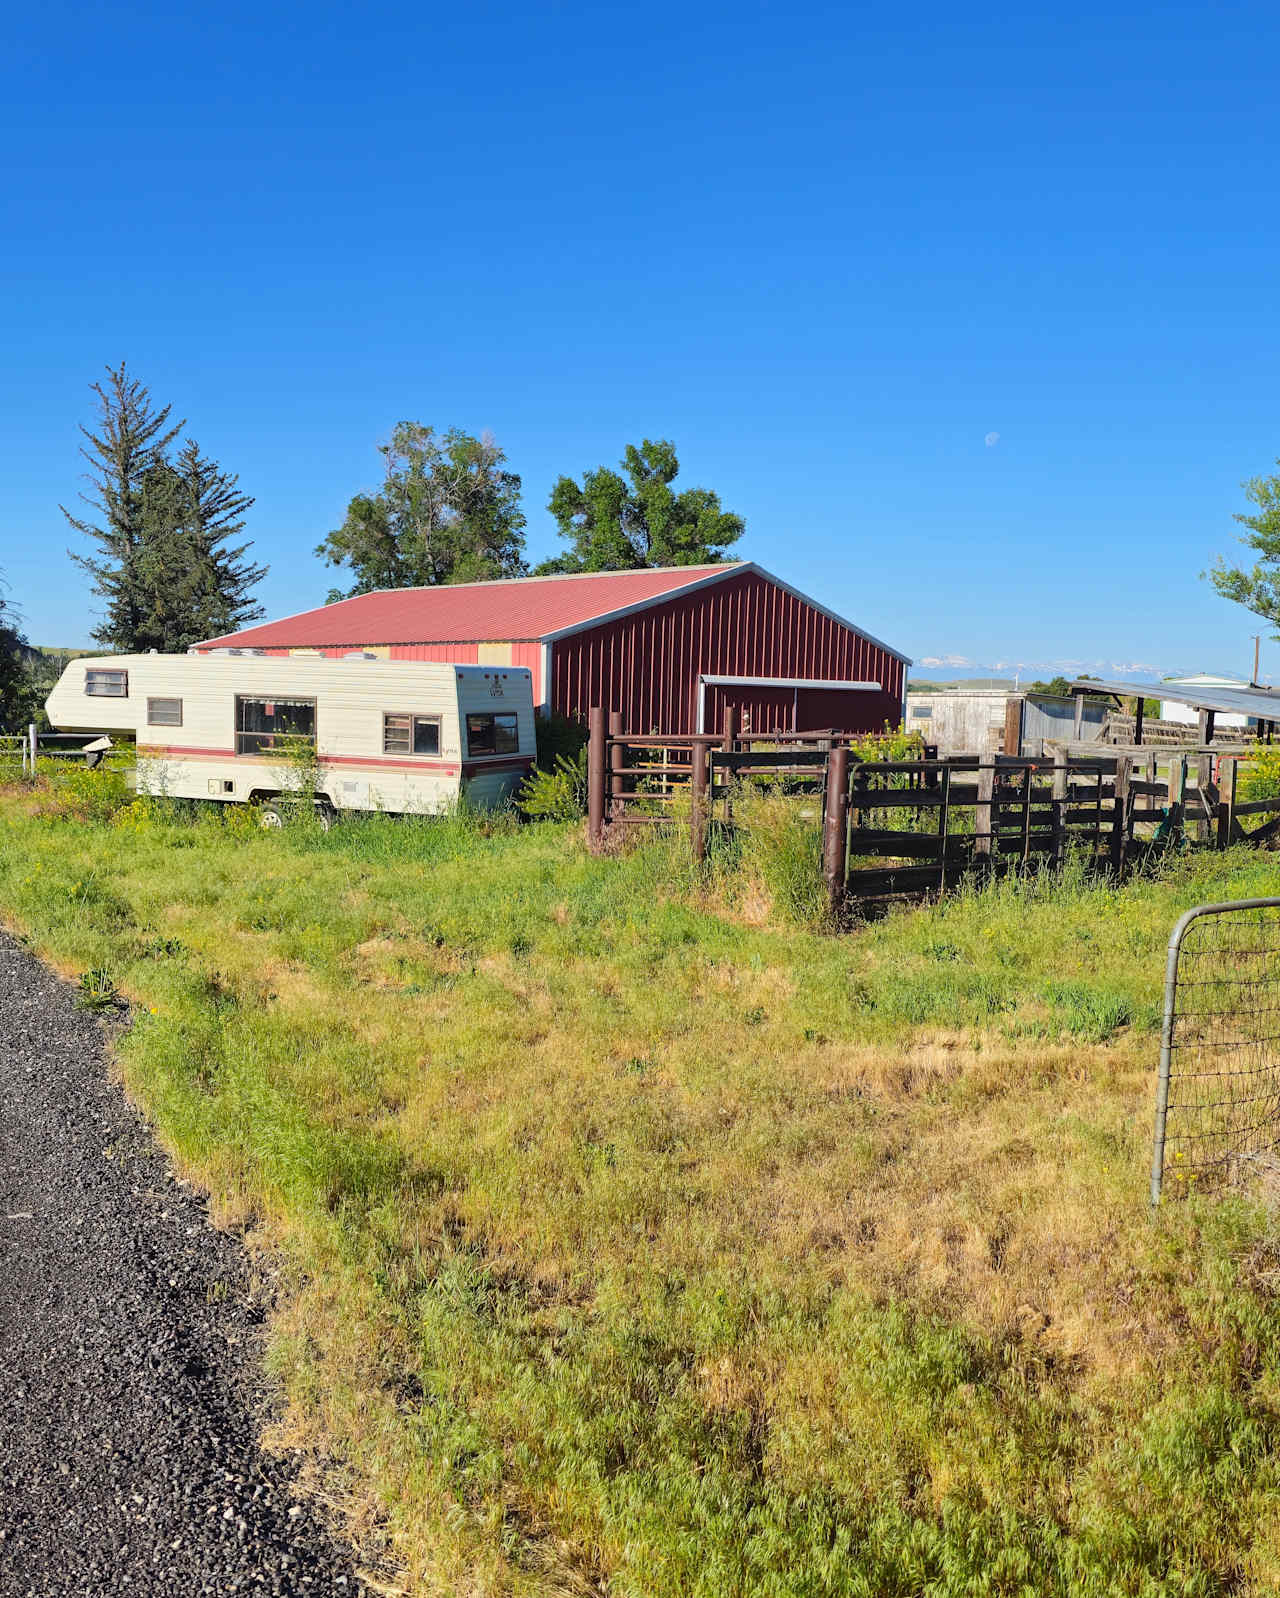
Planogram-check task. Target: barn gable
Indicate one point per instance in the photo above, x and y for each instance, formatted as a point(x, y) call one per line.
point(767, 646)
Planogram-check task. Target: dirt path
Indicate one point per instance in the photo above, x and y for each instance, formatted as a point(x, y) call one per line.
point(129, 1343)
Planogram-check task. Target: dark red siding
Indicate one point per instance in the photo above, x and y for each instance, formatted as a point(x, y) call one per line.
point(648, 665)
point(794, 710)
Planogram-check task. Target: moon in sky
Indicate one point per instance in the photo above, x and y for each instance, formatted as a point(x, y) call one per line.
point(991, 440)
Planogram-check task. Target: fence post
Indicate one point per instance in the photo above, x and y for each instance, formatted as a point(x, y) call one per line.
point(835, 824)
point(1014, 720)
point(1227, 805)
point(698, 799)
point(728, 743)
point(1204, 767)
point(1120, 815)
point(984, 812)
point(1059, 810)
point(33, 740)
point(1166, 1049)
point(595, 776)
point(617, 765)
point(1177, 790)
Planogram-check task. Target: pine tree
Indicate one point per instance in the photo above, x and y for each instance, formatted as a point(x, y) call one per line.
point(123, 456)
point(16, 700)
point(168, 568)
point(213, 580)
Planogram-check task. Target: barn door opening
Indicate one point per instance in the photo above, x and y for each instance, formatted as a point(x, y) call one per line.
point(764, 705)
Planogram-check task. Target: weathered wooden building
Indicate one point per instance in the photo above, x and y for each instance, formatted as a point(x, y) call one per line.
point(966, 721)
point(670, 649)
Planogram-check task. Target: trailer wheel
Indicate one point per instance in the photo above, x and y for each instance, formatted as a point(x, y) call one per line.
point(326, 815)
point(270, 819)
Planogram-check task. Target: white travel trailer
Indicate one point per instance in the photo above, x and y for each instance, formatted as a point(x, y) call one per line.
point(394, 735)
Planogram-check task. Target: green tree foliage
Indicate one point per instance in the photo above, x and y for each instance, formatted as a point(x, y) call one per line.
point(448, 512)
point(199, 580)
point(124, 457)
point(1256, 587)
point(617, 523)
point(1057, 686)
point(165, 564)
point(15, 679)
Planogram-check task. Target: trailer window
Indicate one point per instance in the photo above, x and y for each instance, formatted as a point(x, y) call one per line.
point(264, 726)
point(492, 735)
point(403, 734)
point(107, 684)
point(164, 712)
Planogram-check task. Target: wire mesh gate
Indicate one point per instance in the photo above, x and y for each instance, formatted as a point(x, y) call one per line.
point(1218, 1097)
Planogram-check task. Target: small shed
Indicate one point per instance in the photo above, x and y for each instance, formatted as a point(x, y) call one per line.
point(671, 649)
point(967, 721)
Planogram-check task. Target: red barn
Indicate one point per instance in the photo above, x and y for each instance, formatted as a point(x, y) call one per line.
point(669, 648)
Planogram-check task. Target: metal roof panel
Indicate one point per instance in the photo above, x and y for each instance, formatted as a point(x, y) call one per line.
point(1261, 703)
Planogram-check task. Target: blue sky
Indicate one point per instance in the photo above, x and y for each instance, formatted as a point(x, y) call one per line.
point(829, 251)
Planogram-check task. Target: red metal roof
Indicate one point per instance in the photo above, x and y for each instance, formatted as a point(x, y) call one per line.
point(520, 608)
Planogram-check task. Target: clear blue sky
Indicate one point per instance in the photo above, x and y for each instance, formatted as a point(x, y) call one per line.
point(828, 251)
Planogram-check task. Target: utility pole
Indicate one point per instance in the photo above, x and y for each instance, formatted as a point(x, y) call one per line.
point(1257, 647)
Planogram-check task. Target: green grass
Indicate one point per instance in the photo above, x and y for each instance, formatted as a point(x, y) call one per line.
point(638, 1237)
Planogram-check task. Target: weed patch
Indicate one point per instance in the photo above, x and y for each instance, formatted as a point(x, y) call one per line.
point(641, 1235)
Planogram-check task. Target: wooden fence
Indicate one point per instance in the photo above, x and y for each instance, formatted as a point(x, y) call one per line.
point(910, 827)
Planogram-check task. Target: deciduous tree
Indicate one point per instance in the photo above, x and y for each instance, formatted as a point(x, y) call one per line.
point(616, 523)
point(448, 511)
point(1256, 587)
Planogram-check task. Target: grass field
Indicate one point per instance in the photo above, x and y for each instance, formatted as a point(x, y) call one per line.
point(638, 1238)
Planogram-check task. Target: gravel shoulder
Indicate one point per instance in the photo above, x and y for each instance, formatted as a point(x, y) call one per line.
point(130, 1342)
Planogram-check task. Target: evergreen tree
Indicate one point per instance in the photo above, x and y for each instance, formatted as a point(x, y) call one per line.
point(200, 581)
point(168, 567)
point(616, 523)
point(124, 456)
point(448, 512)
point(17, 704)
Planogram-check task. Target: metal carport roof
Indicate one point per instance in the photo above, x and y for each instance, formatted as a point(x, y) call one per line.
point(1263, 704)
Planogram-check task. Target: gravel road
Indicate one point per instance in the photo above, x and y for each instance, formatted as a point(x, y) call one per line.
point(129, 1346)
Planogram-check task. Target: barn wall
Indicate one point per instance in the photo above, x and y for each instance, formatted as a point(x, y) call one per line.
point(458, 654)
point(523, 653)
point(647, 665)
